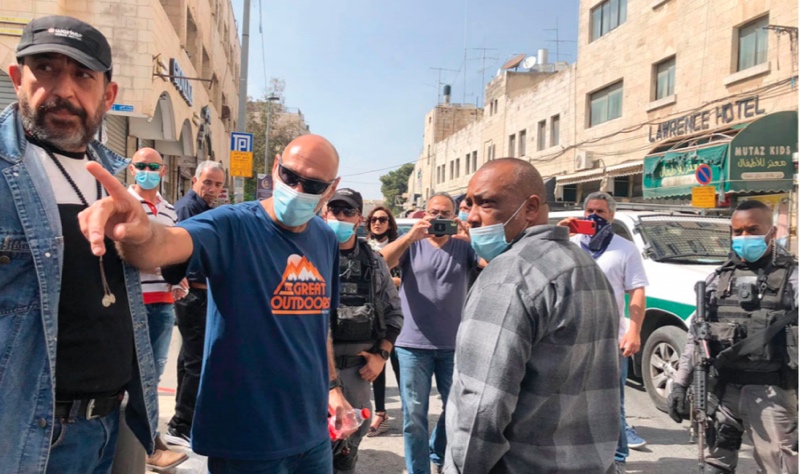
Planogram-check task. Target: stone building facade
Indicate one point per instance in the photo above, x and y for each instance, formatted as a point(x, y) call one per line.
point(654, 80)
point(177, 66)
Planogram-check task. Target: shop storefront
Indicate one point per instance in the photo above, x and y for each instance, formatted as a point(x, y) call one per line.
point(747, 159)
point(622, 180)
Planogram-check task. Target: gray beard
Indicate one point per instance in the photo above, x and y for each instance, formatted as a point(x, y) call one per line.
point(33, 122)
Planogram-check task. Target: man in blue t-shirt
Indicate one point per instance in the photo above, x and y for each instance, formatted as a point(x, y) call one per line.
point(435, 273)
point(272, 269)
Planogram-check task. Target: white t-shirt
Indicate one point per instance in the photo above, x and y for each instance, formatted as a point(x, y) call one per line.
point(622, 264)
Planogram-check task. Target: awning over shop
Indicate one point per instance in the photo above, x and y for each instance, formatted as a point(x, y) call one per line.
point(760, 157)
point(755, 157)
point(597, 174)
point(672, 174)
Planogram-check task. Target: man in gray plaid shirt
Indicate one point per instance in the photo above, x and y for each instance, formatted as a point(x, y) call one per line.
point(535, 387)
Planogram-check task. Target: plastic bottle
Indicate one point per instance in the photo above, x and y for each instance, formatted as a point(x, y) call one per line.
point(351, 421)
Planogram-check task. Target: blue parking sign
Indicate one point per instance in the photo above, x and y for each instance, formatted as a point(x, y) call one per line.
point(241, 141)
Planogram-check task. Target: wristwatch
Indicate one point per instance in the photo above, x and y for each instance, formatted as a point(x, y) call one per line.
point(335, 383)
point(384, 354)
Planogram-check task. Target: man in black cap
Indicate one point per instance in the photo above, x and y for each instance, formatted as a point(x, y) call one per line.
point(368, 319)
point(73, 330)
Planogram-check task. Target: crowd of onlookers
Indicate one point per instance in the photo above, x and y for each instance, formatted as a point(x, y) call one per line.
point(288, 319)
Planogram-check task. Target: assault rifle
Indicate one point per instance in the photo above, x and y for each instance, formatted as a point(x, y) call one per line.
point(702, 360)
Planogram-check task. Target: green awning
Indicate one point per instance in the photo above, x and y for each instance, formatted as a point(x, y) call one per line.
point(760, 157)
point(672, 173)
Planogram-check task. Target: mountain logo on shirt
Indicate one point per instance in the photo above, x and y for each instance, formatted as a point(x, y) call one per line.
point(302, 289)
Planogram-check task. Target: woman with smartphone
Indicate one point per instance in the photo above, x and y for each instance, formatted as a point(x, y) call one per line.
point(382, 229)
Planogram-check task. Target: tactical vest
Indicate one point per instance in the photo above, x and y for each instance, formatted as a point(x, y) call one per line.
point(358, 318)
point(748, 304)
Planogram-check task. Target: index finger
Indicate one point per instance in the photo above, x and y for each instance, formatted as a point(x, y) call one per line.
point(109, 182)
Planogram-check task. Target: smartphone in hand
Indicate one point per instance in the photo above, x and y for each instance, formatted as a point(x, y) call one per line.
point(440, 227)
point(582, 227)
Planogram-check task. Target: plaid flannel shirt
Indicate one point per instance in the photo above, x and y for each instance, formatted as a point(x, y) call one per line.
point(536, 380)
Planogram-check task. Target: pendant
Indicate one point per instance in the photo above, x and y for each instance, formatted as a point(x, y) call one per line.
point(109, 299)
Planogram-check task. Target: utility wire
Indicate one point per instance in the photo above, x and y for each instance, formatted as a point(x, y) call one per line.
point(548, 158)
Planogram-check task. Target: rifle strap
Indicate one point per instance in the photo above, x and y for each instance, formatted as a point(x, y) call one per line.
point(755, 341)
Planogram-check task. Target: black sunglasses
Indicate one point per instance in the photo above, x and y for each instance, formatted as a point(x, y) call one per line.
point(153, 166)
point(292, 179)
point(382, 220)
point(347, 211)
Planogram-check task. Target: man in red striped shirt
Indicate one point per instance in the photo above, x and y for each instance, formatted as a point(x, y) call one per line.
point(148, 168)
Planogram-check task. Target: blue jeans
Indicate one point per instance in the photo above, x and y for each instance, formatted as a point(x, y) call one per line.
point(622, 444)
point(160, 320)
point(82, 446)
point(317, 460)
point(417, 366)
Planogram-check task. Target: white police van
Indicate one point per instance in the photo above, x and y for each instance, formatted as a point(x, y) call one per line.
point(678, 250)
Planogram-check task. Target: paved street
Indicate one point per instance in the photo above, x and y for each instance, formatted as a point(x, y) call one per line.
point(667, 452)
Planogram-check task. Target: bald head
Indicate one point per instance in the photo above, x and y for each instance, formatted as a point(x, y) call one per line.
point(507, 191)
point(520, 177)
point(148, 168)
point(309, 157)
point(314, 148)
point(147, 155)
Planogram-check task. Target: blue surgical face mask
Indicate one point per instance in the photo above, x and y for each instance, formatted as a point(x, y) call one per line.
point(293, 208)
point(490, 241)
point(750, 247)
point(343, 230)
point(462, 216)
point(147, 179)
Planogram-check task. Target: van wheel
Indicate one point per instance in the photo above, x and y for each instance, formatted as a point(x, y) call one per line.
point(662, 351)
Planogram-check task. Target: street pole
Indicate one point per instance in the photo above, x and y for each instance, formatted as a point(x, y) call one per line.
point(266, 137)
point(241, 126)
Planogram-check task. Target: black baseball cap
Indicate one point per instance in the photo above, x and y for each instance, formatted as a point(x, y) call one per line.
point(347, 195)
point(68, 36)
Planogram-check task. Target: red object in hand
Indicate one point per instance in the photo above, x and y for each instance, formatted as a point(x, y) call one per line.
point(351, 419)
point(582, 227)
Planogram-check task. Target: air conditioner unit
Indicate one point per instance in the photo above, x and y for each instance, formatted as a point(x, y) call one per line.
point(583, 160)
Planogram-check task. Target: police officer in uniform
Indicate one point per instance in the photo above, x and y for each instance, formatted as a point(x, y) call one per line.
point(368, 319)
point(751, 304)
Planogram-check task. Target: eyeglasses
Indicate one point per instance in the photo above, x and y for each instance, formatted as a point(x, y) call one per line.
point(347, 211)
point(292, 179)
point(382, 220)
point(438, 213)
point(153, 166)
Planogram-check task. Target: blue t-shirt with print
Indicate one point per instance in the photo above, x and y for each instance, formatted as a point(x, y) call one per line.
point(264, 385)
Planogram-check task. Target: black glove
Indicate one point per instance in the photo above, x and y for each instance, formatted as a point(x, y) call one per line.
point(676, 403)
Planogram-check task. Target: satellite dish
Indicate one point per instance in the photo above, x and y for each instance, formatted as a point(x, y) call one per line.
point(499, 72)
point(529, 62)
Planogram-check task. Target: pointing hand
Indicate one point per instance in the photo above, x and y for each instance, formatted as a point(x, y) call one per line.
point(119, 216)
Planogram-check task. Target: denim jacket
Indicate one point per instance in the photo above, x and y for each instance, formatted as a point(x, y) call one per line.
point(31, 258)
